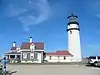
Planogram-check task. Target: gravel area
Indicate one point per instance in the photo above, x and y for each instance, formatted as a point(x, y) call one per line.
point(53, 70)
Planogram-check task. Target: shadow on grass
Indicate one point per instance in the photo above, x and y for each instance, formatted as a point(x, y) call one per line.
point(89, 65)
point(9, 72)
point(12, 72)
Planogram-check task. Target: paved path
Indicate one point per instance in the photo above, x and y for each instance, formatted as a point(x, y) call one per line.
point(53, 70)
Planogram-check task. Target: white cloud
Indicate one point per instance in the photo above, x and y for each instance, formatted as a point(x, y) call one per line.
point(13, 11)
point(44, 14)
point(28, 19)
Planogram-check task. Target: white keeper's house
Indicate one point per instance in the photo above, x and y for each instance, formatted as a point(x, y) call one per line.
point(33, 52)
point(28, 52)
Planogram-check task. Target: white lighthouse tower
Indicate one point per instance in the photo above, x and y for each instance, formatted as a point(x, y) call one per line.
point(74, 46)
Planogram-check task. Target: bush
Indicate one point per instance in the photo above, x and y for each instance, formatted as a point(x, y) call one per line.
point(7, 72)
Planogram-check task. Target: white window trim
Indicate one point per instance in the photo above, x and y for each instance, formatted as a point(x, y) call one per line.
point(33, 47)
point(24, 55)
point(31, 54)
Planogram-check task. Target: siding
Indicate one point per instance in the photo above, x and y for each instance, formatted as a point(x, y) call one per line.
point(28, 56)
point(59, 59)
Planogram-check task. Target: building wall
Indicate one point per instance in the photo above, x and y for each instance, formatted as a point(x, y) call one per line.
point(74, 45)
point(37, 57)
point(58, 58)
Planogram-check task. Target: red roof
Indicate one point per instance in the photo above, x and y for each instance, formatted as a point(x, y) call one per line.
point(26, 45)
point(59, 52)
point(38, 45)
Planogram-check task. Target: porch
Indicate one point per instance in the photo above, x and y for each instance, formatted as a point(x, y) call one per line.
point(13, 57)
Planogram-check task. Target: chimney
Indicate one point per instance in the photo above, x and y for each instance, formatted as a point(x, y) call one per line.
point(14, 44)
point(30, 39)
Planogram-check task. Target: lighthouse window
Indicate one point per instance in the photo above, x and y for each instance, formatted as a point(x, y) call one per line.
point(70, 32)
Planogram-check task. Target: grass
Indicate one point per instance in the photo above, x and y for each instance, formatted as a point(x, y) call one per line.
point(70, 63)
point(7, 72)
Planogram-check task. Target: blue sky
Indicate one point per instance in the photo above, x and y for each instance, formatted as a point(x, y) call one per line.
point(45, 21)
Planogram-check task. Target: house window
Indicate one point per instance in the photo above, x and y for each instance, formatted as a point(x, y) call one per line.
point(64, 57)
point(18, 50)
point(50, 58)
point(32, 55)
point(32, 47)
point(24, 55)
point(70, 32)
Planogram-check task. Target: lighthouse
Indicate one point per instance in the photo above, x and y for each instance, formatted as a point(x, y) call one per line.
point(74, 46)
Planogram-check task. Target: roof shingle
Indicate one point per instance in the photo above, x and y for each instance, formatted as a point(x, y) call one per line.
point(38, 45)
point(59, 52)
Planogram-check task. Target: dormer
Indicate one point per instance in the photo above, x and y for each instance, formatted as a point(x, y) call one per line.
point(32, 47)
point(18, 48)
